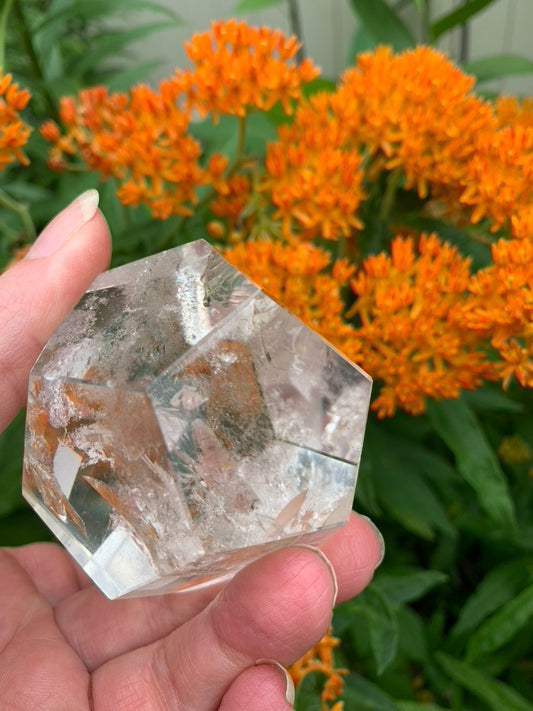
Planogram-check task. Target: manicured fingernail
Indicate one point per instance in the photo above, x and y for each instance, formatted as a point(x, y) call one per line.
point(290, 694)
point(328, 565)
point(379, 536)
point(65, 225)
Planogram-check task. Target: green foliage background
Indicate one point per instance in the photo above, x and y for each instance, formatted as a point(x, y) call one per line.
point(448, 621)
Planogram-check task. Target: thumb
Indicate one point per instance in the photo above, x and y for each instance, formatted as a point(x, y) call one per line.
point(38, 292)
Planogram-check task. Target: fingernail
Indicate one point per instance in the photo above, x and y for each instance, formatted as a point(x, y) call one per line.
point(65, 225)
point(328, 565)
point(379, 536)
point(290, 693)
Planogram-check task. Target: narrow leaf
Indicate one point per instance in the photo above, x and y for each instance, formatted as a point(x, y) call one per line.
point(502, 626)
point(496, 589)
point(458, 426)
point(251, 5)
point(382, 627)
point(382, 24)
point(502, 65)
point(457, 17)
point(362, 695)
point(417, 706)
point(406, 587)
point(110, 44)
point(495, 694)
point(122, 81)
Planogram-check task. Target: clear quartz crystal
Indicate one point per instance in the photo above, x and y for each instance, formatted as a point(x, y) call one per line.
point(181, 423)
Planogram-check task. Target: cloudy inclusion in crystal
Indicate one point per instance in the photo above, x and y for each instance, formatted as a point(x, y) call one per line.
point(181, 423)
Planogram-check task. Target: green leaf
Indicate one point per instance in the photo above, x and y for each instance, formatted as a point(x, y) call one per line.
point(496, 589)
point(488, 399)
point(382, 24)
point(405, 587)
point(382, 627)
point(360, 41)
point(495, 694)
point(502, 626)
point(98, 9)
point(418, 706)
point(458, 426)
point(457, 17)
point(11, 444)
point(502, 65)
point(109, 44)
point(362, 695)
point(251, 5)
point(123, 80)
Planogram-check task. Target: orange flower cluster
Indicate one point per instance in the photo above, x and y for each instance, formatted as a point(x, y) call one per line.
point(511, 112)
point(500, 175)
point(314, 177)
point(140, 138)
point(238, 68)
point(415, 111)
point(295, 274)
point(411, 338)
point(13, 132)
point(500, 309)
point(320, 659)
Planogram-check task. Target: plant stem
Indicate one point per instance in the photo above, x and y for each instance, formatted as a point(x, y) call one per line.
point(3, 25)
point(389, 195)
point(22, 211)
point(34, 59)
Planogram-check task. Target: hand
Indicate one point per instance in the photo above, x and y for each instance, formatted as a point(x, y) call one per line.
point(63, 646)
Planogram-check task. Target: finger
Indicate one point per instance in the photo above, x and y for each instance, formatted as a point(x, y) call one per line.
point(38, 292)
point(100, 629)
point(265, 687)
point(355, 552)
point(276, 608)
point(52, 571)
point(38, 669)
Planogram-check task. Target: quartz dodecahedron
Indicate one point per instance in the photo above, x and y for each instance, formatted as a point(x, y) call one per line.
point(181, 423)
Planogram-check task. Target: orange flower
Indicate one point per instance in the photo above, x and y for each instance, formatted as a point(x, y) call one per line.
point(314, 176)
point(409, 338)
point(140, 138)
point(499, 179)
point(320, 659)
point(237, 68)
point(13, 132)
point(513, 112)
point(500, 309)
point(295, 274)
point(415, 111)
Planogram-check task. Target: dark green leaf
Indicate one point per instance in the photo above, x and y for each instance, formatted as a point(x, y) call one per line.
point(502, 626)
point(362, 695)
point(502, 65)
point(457, 17)
point(23, 526)
point(251, 5)
point(458, 426)
point(488, 399)
point(418, 706)
point(408, 586)
point(496, 589)
point(382, 24)
point(495, 694)
point(11, 444)
point(382, 626)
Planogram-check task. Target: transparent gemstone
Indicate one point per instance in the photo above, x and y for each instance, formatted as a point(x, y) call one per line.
point(181, 423)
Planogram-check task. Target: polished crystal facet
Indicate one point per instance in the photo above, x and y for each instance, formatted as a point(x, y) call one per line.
point(181, 423)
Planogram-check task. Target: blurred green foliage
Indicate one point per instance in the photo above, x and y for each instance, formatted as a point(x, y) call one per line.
point(448, 621)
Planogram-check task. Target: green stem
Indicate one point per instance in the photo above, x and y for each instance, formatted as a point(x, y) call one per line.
point(21, 210)
point(34, 59)
point(3, 24)
point(389, 195)
point(239, 151)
